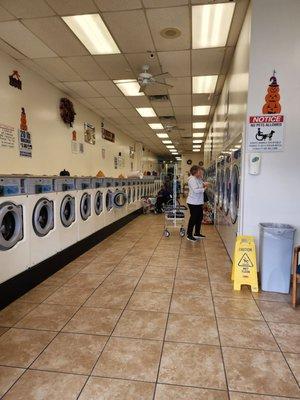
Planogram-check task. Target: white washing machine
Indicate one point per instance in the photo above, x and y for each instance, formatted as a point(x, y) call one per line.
point(44, 237)
point(98, 203)
point(118, 199)
point(84, 207)
point(124, 188)
point(131, 196)
point(66, 212)
point(107, 194)
point(235, 187)
point(14, 227)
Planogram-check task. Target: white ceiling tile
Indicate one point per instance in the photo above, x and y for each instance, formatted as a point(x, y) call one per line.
point(84, 102)
point(6, 48)
point(182, 111)
point(177, 17)
point(129, 112)
point(5, 15)
point(177, 63)
point(83, 89)
point(18, 36)
point(56, 35)
point(73, 7)
point(180, 85)
point(164, 3)
point(106, 88)
point(112, 112)
point(181, 100)
point(27, 9)
point(161, 111)
point(130, 30)
point(207, 61)
point(241, 7)
point(138, 60)
point(59, 69)
point(139, 101)
point(155, 89)
point(202, 99)
point(117, 5)
point(37, 68)
point(115, 66)
point(66, 90)
point(119, 102)
point(100, 103)
point(183, 119)
point(86, 67)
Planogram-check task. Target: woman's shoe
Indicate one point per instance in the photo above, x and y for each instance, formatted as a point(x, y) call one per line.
point(199, 236)
point(191, 239)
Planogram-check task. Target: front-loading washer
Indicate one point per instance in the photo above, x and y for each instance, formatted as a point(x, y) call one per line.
point(66, 213)
point(85, 210)
point(14, 227)
point(42, 197)
point(119, 199)
point(98, 203)
point(107, 195)
point(235, 186)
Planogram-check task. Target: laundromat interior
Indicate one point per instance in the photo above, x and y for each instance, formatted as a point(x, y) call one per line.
point(124, 125)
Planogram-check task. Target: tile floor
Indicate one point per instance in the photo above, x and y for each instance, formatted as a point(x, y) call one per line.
point(142, 317)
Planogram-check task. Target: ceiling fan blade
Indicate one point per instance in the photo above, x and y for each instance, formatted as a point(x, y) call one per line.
point(164, 84)
point(164, 74)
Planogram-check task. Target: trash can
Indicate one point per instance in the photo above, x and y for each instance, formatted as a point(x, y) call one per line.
point(275, 256)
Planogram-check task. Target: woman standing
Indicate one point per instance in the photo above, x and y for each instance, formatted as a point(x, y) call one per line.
point(195, 202)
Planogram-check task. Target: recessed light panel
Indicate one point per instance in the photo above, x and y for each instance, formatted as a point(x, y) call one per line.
point(170, 146)
point(167, 141)
point(198, 134)
point(146, 112)
point(197, 146)
point(196, 150)
point(92, 32)
point(162, 135)
point(129, 87)
point(156, 126)
point(197, 141)
point(204, 84)
point(201, 110)
point(199, 125)
point(211, 24)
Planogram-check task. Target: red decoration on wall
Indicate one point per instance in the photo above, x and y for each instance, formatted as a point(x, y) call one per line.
point(23, 120)
point(67, 112)
point(272, 105)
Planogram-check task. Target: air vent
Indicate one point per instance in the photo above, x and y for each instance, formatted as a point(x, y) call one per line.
point(158, 97)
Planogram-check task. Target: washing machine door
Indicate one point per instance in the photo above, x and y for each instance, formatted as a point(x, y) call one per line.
point(67, 211)
point(108, 200)
point(119, 199)
point(129, 196)
point(227, 192)
point(98, 202)
point(43, 217)
point(11, 225)
point(222, 190)
point(85, 206)
point(133, 195)
point(235, 189)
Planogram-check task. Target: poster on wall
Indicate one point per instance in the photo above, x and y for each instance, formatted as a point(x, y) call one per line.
point(107, 135)
point(7, 136)
point(131, 151)
point(25, 143)
point(89, 133)
point(265, 133)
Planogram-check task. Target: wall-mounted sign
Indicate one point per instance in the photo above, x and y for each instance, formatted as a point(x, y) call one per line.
point(131, 151)
point(89, 133)
point(265, 133)
point(25, 144)
point(107, 135)
point(15, 80)
point(7, 136)
point(74, 136)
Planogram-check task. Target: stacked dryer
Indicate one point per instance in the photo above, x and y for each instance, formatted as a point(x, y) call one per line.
point(14, 227)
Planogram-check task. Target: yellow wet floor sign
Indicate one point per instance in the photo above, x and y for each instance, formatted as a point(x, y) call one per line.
point(244, 269)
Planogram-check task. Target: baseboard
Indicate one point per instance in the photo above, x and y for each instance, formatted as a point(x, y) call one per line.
point(23, 282)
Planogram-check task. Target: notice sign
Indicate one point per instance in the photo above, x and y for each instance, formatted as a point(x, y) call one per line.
point(7, 136)
point(25, 144)
point(265, 133)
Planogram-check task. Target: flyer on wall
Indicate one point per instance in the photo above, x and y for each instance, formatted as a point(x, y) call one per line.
point(25, 144)
point(7, 136)
point(265, 133)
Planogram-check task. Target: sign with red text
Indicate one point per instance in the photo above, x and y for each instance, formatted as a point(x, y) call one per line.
point(265, 133)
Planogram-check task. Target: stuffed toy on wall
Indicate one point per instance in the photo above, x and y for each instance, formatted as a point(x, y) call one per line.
point(67, 112)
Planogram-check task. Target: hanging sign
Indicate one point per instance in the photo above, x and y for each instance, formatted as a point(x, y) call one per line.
point(244, 268)
point(107, 135)
point(265, 133)
point(7, 136)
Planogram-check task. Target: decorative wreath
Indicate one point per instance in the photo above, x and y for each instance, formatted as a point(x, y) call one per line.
point(67, 112)
point(189, 162)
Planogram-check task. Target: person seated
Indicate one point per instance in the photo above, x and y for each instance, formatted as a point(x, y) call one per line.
point(163, 197)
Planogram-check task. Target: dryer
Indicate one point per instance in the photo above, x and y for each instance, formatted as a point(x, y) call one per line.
point(98, 203)
point(124, 188)
point(84, 206)
point(66, 212)
point(14, 227)
point(44, 237)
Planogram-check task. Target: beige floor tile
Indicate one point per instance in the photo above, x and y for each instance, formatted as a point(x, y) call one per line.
point(116, 389)
point(197, 263)
point(8, 376)
point(192, 329)
point(225, 289)
point(120, 282)
point(200, 275)
point(69, 296)
point(98, 268)
point(171, 392)
point(129, 359)
point(38, 294)
point(190, 304)
point(158, 261)
point(237, 308)
point(192, 287)
point(85, 281)
point(14, 312)
point(3, 330)
point(192, 365)
point(72, 353)
point(150, 302)
point(19, 347)
point(40, 385)
point(141, 325)
point(279, 312)
point(293, 360)
point(258, 371)
point(155, 285)
point(131, 270)
point(245, 396)
point(95, 321)
point(246, 333)
point(109, 298)
point(221, 275)
point(287, 336)
point(47, 317)
point(269, 296)
point(59, 278)
point(159, 272)
point(75, 266)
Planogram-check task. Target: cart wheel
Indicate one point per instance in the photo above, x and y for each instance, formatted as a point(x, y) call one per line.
point(182, 232)
point(166, 233)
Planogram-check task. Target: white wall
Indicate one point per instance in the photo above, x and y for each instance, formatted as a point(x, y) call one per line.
point(51, 137)
point(273, 195)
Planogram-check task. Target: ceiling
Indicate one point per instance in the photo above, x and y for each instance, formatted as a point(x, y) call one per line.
point(34, 33)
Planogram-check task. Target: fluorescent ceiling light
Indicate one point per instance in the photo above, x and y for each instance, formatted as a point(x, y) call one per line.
point(156, 126)
point(196, 146)
point(129, 87)
point(146, 112)
point(204, 84)
point(175, 152)
point(199, 125)
point(170, 146)
point(196, 150)
point(167, 141)
point(201, 110)
point(211, 24)
point(198, 134)
point(162, 135)
point(92, 32)
point(197, 141)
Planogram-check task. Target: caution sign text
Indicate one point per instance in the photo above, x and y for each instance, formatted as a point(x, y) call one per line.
point(244, 269)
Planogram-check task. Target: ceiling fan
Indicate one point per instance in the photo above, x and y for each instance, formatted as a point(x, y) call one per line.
point(170, 128)
point(145, 78)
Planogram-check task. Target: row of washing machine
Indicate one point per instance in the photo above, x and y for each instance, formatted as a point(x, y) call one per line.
point(41, 216)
